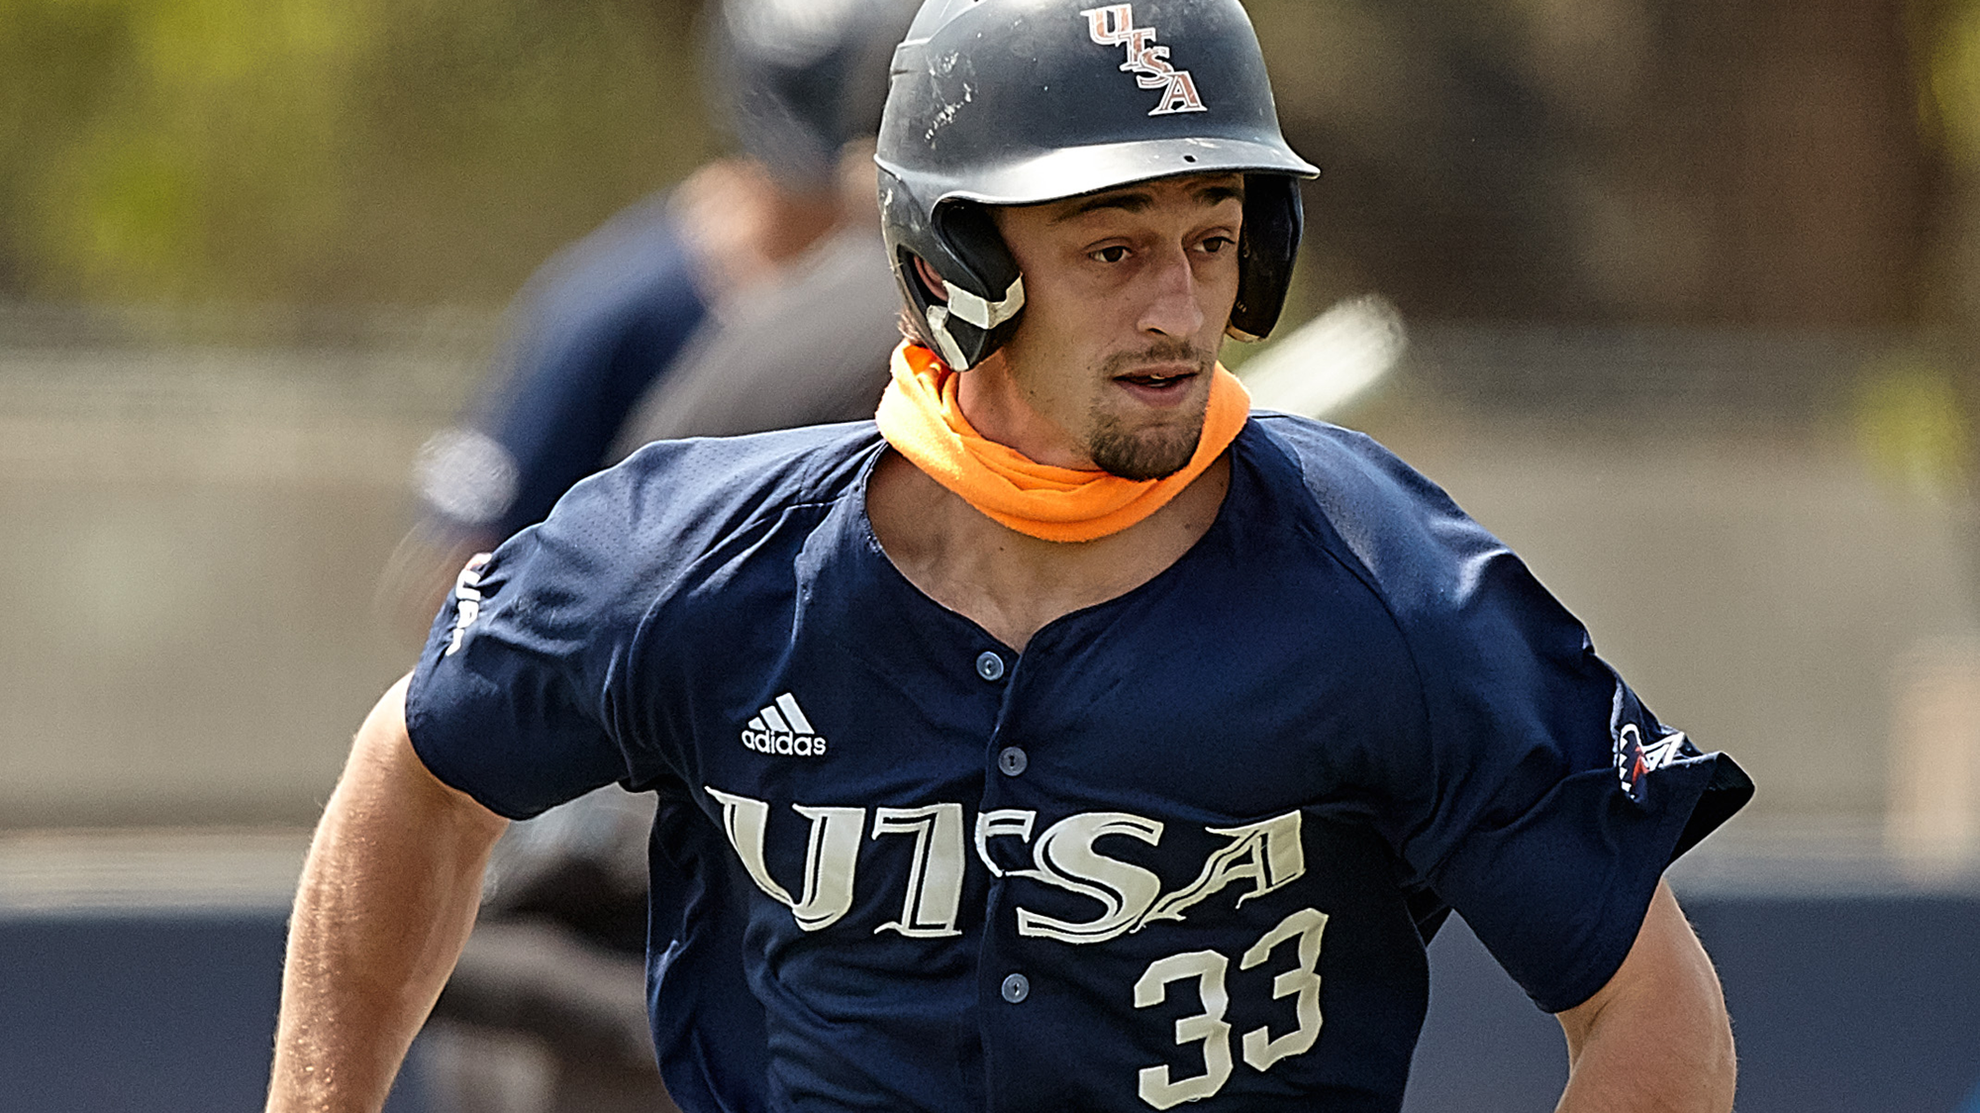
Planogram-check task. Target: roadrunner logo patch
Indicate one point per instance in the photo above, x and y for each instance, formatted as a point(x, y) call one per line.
point(1636, 757)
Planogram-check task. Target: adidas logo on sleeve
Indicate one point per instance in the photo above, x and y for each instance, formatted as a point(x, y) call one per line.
point(781, 728)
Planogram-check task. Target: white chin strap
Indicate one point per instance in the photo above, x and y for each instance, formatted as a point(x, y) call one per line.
point(970, 309)
point(987, 315)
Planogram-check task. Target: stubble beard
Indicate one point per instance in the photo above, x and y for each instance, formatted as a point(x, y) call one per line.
point(1148, 453)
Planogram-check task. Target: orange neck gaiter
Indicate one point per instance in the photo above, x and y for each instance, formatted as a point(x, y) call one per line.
point(920, 419)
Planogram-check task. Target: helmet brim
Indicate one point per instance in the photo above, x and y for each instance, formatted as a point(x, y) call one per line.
point(1075, 171)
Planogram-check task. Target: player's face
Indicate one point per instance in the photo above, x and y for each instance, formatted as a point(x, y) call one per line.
point(1126, 297)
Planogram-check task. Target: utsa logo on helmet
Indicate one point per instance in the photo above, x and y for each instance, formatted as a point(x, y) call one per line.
point(1113, 25)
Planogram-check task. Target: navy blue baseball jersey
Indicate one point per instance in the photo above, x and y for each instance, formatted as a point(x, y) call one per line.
point(1187, 846)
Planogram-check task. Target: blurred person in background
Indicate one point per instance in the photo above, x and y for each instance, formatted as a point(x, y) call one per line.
point(663, 321)
point(754, 295)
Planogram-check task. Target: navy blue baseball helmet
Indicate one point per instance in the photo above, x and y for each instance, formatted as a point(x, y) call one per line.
point(1018, 102)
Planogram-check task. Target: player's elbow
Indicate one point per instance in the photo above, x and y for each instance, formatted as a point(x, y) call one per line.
point(1674, 1057)
point(1657, 1038)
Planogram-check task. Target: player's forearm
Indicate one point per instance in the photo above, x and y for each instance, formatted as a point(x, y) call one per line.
point(386, 900)
point(1658, 1039)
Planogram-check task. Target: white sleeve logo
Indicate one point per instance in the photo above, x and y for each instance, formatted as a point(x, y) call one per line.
point(467, 600)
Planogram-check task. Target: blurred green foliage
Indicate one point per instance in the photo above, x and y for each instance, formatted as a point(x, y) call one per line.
point(1952, 81)
point(340, 151)
point(1911, 425)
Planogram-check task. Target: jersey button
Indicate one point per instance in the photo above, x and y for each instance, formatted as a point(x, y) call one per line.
point(1011, 761)
point(1017, 987)
point(989, 666)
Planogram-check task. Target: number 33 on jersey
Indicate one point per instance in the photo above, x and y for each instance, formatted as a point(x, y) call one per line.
point(1256, 859)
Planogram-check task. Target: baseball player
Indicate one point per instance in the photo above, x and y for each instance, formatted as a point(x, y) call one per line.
point(1070, 737)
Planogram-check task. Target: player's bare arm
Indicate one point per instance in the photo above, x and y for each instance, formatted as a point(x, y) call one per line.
point(1656, 1037)
point(386, 900)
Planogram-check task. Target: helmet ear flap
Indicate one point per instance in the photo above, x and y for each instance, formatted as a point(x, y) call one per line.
point(985, 293)
point(985, 303)
point(1266, 248)
point(959, 344)
point(970, 233)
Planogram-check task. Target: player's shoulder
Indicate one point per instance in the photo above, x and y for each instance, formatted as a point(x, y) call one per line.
point(1322, 444)
point(629, 537)
point(689, 492)
point(671, 503)
point(1347, 475)
point(1397, 527)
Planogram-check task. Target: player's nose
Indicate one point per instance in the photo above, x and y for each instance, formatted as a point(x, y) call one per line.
point(1174, 307)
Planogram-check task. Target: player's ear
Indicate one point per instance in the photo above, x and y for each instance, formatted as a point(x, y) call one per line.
point(937, 289)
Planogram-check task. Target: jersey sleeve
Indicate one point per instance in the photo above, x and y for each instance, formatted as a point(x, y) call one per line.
point(1542, 800)
point(1560, 797)
point(544, 674)
point(511, 701)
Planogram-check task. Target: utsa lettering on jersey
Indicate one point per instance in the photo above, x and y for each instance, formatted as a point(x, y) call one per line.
point(1163, 735)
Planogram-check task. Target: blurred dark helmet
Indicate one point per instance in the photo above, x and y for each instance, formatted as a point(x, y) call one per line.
point(798, 79)
point(1015, 102)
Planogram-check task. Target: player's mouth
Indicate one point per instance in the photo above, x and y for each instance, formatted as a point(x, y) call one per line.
point(1159, 384)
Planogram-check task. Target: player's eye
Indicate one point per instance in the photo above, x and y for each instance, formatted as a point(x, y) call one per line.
point(1113, 254)
point(1212, 245)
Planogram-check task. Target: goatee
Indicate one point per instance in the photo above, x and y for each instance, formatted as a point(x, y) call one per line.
point(1149, 453)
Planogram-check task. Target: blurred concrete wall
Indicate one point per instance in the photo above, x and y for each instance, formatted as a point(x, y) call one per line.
point(190, 536)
